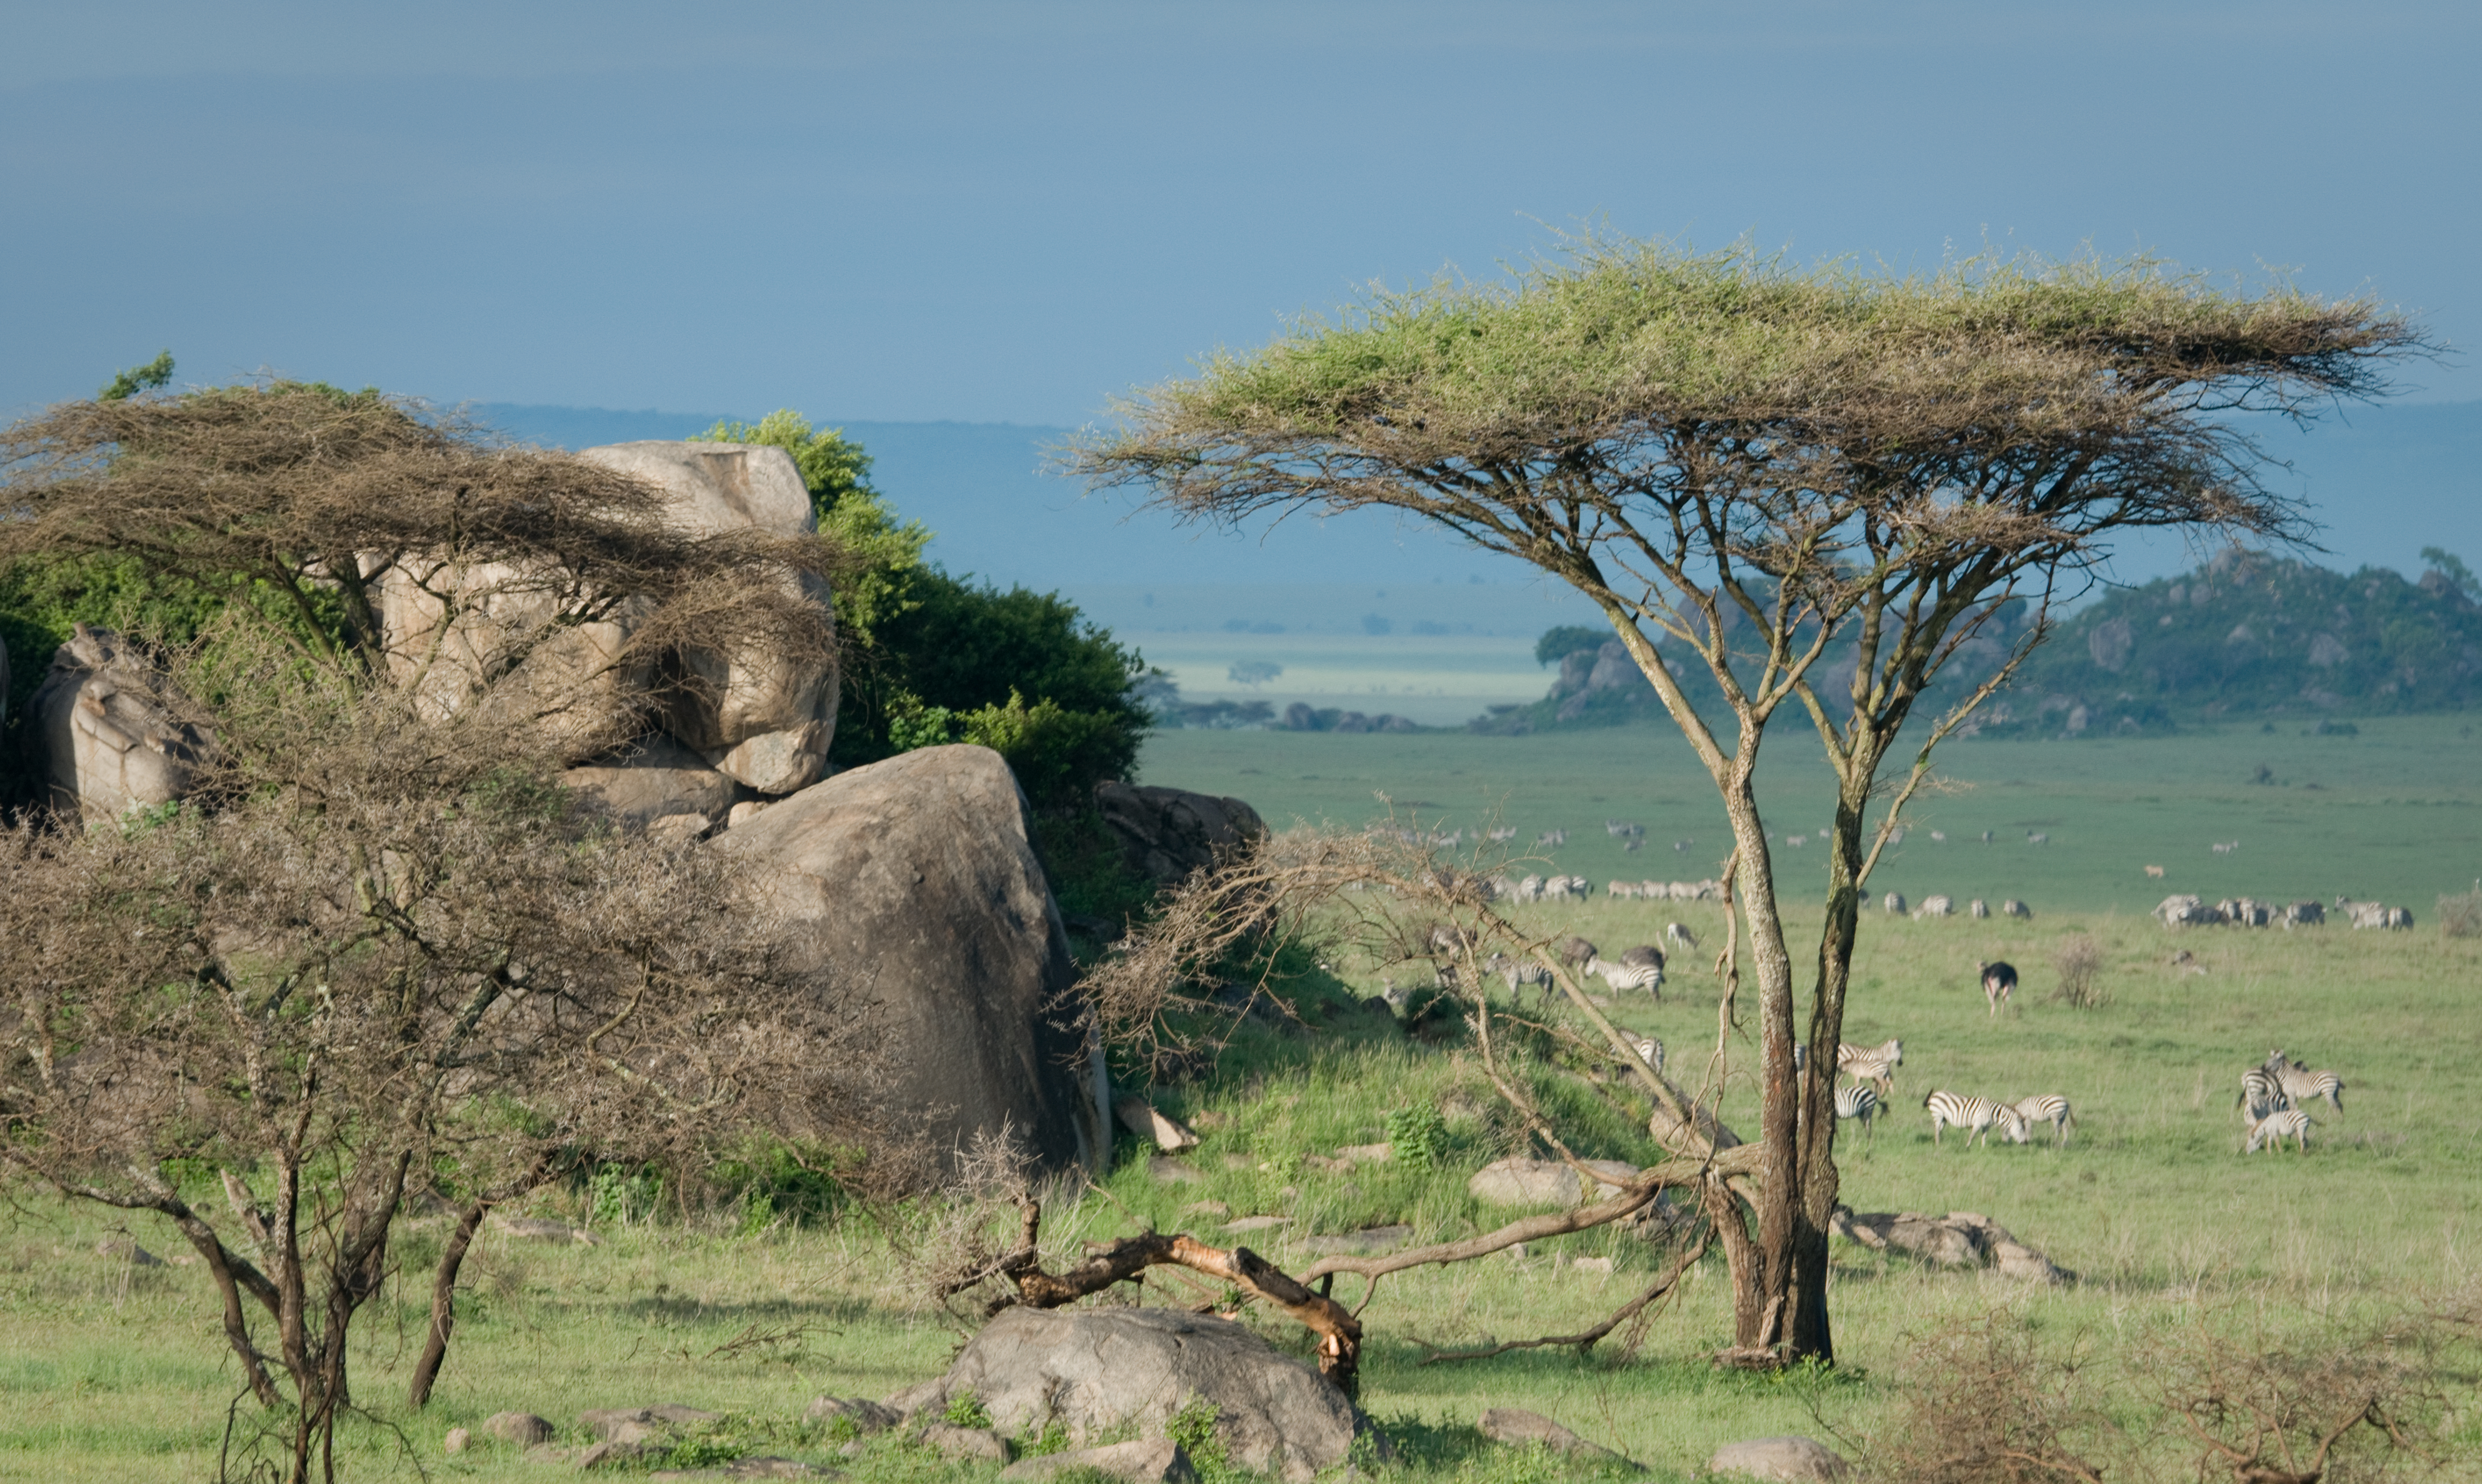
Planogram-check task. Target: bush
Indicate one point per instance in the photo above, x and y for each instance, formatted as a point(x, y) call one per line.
point(2461, 916)
point(2079, 961)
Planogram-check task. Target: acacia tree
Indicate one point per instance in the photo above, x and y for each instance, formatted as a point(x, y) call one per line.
point(1812, 490)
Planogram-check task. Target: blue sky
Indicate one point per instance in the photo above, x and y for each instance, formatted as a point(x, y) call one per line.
point(1007, 212)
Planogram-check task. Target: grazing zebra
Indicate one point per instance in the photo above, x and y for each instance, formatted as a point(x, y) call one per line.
point(1890, 1051)
point(1892, 904)
point(1552, 837)
point(2283, 1124)
point(2047, 1108)
point(1977, 1116)
point(2012, 908)
point(1501, 836)
point(1680, 936)
point(1935, 907)
point(1650, 1050)
point(2034, 837)
point(1939, 835)
point(1998, 982)
point(1977, 908)
point(1863, 1102)
point(1517, 973)
point(1640, 969)
point(2301, 1085)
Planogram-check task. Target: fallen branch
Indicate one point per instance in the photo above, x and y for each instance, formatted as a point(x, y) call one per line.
point(1339, 1332)
point(1585, 1340)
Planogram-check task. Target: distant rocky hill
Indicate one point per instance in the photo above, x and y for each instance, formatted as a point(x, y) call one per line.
point(2256, 635)
point(2248, 634)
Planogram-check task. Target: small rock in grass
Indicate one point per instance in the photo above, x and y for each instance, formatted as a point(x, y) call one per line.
point(868, 1417)
point(1369, 1239)
point(969, 1442)
point(1519, 1428)
point(522, 1428)
point(1600, 1265)
point(1170, 1171)
point(1144, 1461)
point(933, 1393)
point(551, 1453)
point(457, 1440)
point(124, 1249)
point(1258, 1222)
point(610, 1455)
point(1216, 1208)
point(1367, 1154)
point(536, 1228)
point(1791, 1458)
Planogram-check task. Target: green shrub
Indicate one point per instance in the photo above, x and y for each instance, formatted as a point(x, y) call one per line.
point(1417, 1136)
point(967, 1409)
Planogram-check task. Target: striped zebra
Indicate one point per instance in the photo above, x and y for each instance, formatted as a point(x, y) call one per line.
point(1998, 982)
point(1861, 1100)
point(1679, 936)
point(2270, 1131)
point(2301, 1085)
point(1640, 969)
point(1650, 1050)
point(2047, 1108)
point(1517, 973)
point(2261, 1094)
point(1873, 1063)
point(1977, 1116)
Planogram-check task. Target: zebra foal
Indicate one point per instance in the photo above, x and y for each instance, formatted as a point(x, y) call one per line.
point(2270, 1131)
point(2047, 1108)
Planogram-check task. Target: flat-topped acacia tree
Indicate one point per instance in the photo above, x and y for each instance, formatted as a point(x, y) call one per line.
point(1810, 487)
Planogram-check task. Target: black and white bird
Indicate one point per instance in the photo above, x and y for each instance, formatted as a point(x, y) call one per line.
point(1977, 1115)
point(1998, 982)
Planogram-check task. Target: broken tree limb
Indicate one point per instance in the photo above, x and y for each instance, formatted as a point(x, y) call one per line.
point(1586, 1339)
point(1636, 1197)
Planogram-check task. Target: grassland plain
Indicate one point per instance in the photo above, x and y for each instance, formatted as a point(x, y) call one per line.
point(2392, 812)
point(113, 1372)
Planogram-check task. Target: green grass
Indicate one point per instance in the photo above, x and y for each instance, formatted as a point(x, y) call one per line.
point(112, 1374)
point(2393, 814)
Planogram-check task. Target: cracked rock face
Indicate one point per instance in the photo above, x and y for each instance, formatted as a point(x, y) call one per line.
point(113, 729)
point(1096, 1371)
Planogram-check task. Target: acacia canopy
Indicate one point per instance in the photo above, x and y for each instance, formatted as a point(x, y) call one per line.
point(1815, 488)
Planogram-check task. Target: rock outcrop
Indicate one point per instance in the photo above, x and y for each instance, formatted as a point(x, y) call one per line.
point(1169, 832)
point(653, 777)
point(763, 719)
point(1545, 1181)
point(911, 900)
point(1792, 1458)
point(114, 733)
point(1957, 1240)
point(752, 715)
point(1095, 1371)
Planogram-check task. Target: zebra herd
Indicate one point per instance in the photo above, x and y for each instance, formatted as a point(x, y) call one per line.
point(1872, 1069)
point(1557, 889)
point(1893, 904)
point(2272, 1098)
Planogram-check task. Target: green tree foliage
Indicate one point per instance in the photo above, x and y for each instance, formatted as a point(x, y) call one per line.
point(933, 659)
point(153, 376)
point(2452, 570)
point(1558, 644)
point(884, 554)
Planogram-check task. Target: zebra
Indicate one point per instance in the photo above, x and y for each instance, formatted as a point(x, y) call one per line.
point(2036, 838)
point(2272, 1130)
point(1650, 1050)
point(1935, 907)
point(2261, 1094)
point(1890, 1051)
point(1863, 1102)
point(1977, 1116)
point(1977, 908)
point(2047, 1108)
point(2012, 908)
point(1552, 837)
point(1998, 982)
point(2301, 1085)
point(1638, 969)
point(1872, 1067)
point(1679, 936)
point(1501, 836)
point(1517, 973)
point(1892, 904)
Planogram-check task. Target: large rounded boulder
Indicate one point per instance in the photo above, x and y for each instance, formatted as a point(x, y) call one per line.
point(1099, 1372)
point(910, 899)
point(111, 732)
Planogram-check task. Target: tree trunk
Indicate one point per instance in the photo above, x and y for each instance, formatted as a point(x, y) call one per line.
point(1758, 1315)
point(443, 1303)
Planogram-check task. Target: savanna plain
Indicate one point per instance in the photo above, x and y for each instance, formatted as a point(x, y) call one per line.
point(115, 1370)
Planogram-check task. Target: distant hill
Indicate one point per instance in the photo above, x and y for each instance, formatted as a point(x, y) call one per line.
point(2254, 635)
point(2247, 635)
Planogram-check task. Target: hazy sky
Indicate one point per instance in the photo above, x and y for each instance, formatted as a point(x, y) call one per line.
point(1011, 211)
